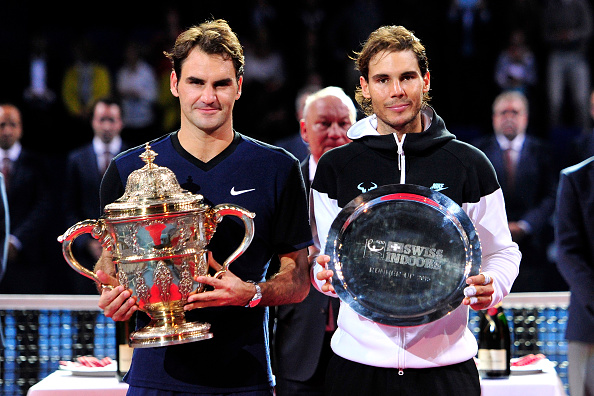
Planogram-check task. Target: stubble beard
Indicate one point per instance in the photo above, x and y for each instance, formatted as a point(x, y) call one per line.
point(401, 127)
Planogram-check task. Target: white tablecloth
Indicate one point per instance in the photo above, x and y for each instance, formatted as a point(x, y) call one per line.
point(546, 383)
point(63, 383)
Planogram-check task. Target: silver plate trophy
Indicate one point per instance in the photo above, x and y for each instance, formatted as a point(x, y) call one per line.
point(401, 254)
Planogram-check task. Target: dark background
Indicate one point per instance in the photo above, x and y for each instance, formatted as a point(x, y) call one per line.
point(462, 86)
point(314, 38)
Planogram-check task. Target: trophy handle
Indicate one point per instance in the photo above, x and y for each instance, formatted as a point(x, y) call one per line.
point(248, 220)
point(93, 227)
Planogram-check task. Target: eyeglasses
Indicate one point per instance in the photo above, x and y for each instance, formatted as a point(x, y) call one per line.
point(509, 112)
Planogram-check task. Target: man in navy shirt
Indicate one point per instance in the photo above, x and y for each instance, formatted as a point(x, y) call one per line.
point(210, 158)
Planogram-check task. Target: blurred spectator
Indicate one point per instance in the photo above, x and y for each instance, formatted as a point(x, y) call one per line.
point(26, 178)
point(474, 38)
point(138, 89)
point(40, 107)
point(469, 16)
point(574, 233)
point(267, 65)
point(348, 28)
point(295, 143)
point(528, 180)
point(516, 66)
point(168, 104)
point(85, 168)
point(567, 29)
point(582, 147)
point(312, 17)
point(303, 331)
point(85, 81)
point(520, 14)
point(264, 90)
point(263, 15)
point(38, 93)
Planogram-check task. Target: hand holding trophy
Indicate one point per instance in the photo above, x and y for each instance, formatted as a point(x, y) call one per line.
point(157, 234)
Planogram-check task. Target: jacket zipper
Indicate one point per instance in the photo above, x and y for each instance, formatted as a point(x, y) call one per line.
point(401, 158)
point(401, 355)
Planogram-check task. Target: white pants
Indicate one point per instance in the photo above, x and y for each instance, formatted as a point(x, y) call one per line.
point(581, 368)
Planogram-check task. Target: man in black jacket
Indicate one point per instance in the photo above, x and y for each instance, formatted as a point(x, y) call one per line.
point(404, 141)
point(574, 233)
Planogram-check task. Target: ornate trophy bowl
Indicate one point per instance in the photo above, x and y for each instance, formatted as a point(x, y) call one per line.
point(157, 233)
point(401, 254)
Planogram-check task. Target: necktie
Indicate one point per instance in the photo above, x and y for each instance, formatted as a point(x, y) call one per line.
point(330, 324)
point(6, 170)
point(105, 160)
point(510, 168)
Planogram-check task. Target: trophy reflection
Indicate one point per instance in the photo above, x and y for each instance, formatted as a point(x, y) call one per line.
point(157, 233)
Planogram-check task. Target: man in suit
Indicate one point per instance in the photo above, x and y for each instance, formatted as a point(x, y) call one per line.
point(528, 180)
point(574, 233)
point(28, 190)
point(85, 168)
point(303, 330)
point(29, 268)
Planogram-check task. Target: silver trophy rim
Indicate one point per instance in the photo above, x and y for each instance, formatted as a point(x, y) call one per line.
point(384, 195)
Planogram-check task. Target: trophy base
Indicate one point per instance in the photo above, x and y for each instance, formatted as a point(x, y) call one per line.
point(156, 336)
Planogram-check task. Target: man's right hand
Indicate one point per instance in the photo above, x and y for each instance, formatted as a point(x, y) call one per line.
point(325, 274)
point(117, 303)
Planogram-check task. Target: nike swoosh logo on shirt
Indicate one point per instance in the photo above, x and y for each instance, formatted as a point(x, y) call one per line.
point(234, 192)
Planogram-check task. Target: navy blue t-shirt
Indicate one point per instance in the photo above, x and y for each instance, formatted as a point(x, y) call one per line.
point(270, 184)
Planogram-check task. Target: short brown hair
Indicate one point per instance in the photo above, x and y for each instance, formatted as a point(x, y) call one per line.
point(389, 39)
point(212, 37)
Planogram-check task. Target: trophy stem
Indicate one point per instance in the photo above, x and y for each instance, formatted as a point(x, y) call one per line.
point(169, 327)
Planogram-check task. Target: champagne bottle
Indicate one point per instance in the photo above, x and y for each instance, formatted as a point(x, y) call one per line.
point(494, 343)
point(123, 349)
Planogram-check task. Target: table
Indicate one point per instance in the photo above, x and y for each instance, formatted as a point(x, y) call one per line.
point(63, 383)
point(546, 383)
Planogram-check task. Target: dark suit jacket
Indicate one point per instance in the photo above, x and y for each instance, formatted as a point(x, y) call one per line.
point(300, 328)
point(81, 196)
point(83, 182)
point(296, 146)
point(574, 236)
point(581, 148)
point(532, 200)
point(30, 201)
point(81, 202)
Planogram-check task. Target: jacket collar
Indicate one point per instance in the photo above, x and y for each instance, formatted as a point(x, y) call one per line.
point(435, 134)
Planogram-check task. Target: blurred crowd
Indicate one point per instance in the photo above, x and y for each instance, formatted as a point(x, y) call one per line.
point(58, 63)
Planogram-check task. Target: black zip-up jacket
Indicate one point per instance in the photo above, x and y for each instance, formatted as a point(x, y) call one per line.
point(434, 159)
